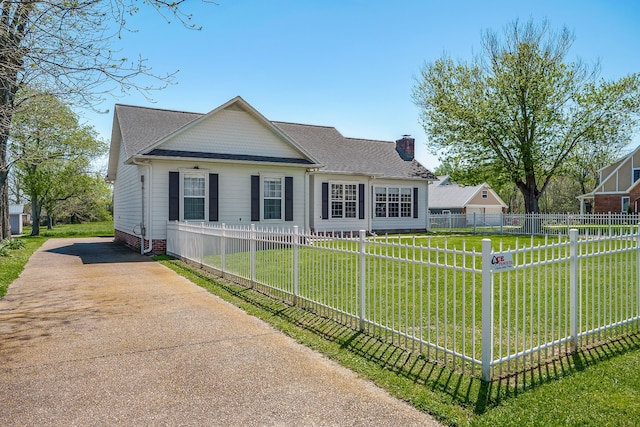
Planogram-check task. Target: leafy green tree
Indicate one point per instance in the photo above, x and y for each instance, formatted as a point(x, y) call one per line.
point(66, 47)
point(520, 110)
point(52, 152)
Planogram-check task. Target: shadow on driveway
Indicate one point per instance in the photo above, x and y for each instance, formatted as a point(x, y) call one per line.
point(101, 253)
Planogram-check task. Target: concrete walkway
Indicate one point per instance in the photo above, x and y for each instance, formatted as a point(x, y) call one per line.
point(95, 334)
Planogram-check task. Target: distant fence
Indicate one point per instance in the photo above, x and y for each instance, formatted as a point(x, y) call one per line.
point(486, 310)
point(534, 224)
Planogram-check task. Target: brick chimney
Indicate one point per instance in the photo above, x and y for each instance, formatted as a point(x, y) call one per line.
point(405, 146)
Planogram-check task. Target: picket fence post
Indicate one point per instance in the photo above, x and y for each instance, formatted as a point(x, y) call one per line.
point(223, 249)
point(573, 288)
point(363, 290)
point(252, 251)
point(487, 311)
point(296, 265)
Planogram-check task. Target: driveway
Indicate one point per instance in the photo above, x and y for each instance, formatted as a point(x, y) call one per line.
point(95, 334)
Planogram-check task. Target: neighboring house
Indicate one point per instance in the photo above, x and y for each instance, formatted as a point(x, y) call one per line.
point(16, 219)
point(619, 187)
point(477, 202)
point(234, 166)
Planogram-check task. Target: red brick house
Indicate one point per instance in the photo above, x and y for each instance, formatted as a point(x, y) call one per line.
point(619, 188)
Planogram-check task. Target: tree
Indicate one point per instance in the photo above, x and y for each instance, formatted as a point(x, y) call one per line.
point(520, 109)
point(65, 48)
point(51, 151)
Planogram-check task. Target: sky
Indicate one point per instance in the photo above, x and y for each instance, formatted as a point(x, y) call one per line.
point(351, 64)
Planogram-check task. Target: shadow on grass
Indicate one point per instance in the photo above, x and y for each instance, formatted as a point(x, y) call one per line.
point(410, 371)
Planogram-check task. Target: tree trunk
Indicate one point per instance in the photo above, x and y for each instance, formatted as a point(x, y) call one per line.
point(533, 223)
point(49, 221)
point(35, 215)
point(5, 224)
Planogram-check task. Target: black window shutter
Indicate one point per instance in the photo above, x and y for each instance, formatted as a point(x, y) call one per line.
point(325, 200)
point(415, 203)
point(288, 198)
point(361, 200)
point(255, 198)
point(213, 197)
point(174, 196)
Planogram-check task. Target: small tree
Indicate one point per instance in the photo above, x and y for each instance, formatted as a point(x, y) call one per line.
point(521, 108)
point(52, 152)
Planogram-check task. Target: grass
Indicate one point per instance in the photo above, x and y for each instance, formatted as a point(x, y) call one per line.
point(595, 387)
point(88, 229)
point(12, 265)
point(444, 308)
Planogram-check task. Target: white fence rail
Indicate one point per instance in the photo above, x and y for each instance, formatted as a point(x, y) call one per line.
point(535, 224)
point(458, 306)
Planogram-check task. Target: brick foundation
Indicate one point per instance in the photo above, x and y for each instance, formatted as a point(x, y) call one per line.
point(133, 242)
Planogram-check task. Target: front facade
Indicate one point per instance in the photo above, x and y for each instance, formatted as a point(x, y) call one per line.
point(232, 166)
point(618, 190)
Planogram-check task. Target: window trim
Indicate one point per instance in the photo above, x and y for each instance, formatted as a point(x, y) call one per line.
point(623, 209)
point(202, 174)
point(280, 177)
point(409, 191)
point(343, 201)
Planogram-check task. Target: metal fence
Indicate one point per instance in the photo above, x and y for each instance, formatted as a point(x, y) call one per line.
point(489, 311)
point(534, 224)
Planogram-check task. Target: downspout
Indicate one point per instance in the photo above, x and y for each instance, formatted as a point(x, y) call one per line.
point(144, 230)
point(370, 205)
point(306, 201)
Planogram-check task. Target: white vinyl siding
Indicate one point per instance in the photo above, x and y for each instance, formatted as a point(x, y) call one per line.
point(233, 192)
point(405, 220)
point(127, 196)
point(231, 132)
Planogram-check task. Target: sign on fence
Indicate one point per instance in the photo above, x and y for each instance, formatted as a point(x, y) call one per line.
point(502, 261)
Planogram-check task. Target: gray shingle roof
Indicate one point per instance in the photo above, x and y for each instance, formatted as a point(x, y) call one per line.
point(142, 127)
point(351, 155)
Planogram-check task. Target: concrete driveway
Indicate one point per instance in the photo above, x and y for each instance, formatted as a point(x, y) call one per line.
point(95, 334)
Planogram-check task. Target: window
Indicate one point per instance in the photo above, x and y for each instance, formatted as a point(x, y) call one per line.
point(272, 198)
point(485, 194)
point(344, 200)
point(194, 197)
point(636, 174)
point(393, 202)
point(625, 203)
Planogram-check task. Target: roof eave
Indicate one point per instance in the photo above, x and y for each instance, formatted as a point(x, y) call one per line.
point(147, 157)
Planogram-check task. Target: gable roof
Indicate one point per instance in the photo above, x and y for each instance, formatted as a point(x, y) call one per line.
point(143, 130)
point(448, 194)
point(351, 155)
point(616, 166)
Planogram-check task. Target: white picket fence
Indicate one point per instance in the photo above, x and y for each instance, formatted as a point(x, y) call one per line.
point(534, 224)
point(486, 311)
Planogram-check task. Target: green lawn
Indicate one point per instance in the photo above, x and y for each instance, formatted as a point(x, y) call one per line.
point(442, 305)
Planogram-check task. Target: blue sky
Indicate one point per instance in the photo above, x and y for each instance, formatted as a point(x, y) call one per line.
point(351, 63)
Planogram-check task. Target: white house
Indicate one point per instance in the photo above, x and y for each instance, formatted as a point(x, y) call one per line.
point(479, 203)
point(234, 166)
